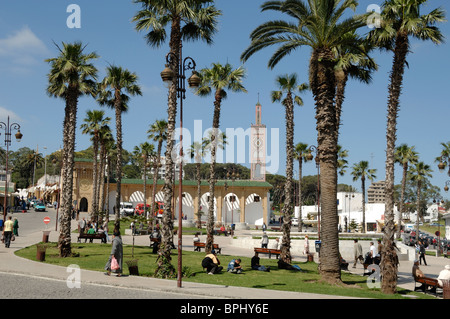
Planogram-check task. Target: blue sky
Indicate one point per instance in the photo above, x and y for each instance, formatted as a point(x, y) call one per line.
point(29, 29)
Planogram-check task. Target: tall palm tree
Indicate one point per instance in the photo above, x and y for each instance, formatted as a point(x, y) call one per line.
point(197, 152)
point(157, 133)
point(106, 140)
point(93, 122)
point(341, 161)
point(352, 62)
point(114, 88)
point(300, 152)
point(362, 171)
point(145, 153)
point(401, 20)
point(404, 155)
point(217, 80)
point(188, 20)
point(288, 86)
point(317, 24)
point(419, 173)
point(71, 75)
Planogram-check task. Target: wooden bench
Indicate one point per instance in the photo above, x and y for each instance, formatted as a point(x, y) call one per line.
point(426, 283)
point(275, 228)
point(198, 246)
point(219, 232)
point(91, 237)
point(267, 251)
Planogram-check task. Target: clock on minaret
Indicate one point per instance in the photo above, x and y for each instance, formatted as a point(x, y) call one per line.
point(258, 148)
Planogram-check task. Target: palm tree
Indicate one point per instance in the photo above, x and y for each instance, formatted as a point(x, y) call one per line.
point(197, 152)
point(352, 62)
point(157, 133)
point(219, 78)
point(404, 155)
point(288, 87)
point(145, 152)
point(71, 76)
point(362, 171)
point(419, 173)
point(341, 161)
point(318, 27)
point(188, 20)
point(401, 19)
point(92, 125)
point(106, 141)
point(300, 152)
point(112, 94)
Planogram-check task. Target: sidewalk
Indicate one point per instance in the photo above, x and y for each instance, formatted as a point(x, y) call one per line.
point(10, 263)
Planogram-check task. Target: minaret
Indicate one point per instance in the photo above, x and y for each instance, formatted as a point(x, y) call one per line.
point(258, 147)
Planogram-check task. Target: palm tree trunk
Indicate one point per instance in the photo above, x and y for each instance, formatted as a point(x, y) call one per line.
point(341, 80)
point(156, 166)
point(212, 177)
point(389, 259)
point(300, 168)
point(363, 188)
point(199, 194)
point(101, 184)
point(117, 106)
point(323, 88)
point(69, 130)
point(164, 258)
point(288, 189)
point(94, 205)
point(402, 200)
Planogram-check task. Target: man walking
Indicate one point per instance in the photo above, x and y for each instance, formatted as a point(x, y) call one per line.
point(7, 231)
point(357, 251)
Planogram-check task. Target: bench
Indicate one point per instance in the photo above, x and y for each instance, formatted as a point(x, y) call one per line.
point(267, 251)
point(198, 246)
point(91, 237)
point(219, 232)
point(426, 283)
point(275, 228)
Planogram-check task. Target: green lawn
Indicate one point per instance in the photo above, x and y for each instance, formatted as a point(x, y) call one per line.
point(94, 257)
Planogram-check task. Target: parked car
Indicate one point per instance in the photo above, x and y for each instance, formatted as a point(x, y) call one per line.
point(39, 207)
point(126, 209)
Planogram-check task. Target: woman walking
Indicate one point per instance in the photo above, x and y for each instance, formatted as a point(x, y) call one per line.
point(117, 253)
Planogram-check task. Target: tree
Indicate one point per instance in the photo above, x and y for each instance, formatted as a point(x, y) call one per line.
point(219, 78)
point(419, 172)
point(288, 87)
point(404, 155)
point(197, 152)
point(188, 20)
point(445, 154)
point(317, 26)
point(362, 171)
point(106, 141)
point(145, 152)
point(400, 20)
point(71, 75)
point(113, 89)
point(300, 152)
point(93, 123)
point(157, 133)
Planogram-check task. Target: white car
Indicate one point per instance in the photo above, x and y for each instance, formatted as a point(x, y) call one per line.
point(126, 209)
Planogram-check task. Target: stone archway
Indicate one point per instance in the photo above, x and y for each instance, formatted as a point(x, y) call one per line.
point(83, 205)
point(254, 209)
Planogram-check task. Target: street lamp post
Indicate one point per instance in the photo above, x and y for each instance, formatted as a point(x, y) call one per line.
point(168, 75)
point(309, 157)
point(7, 127)
point(442, 163)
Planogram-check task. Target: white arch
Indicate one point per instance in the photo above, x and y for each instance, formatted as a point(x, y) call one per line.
point(187, 206)
point(253, 210)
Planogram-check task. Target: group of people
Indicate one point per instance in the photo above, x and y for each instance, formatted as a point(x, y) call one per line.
point(212, 264)
point(373, 256)
point(91, 227)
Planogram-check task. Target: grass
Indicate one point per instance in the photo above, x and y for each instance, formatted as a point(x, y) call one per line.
point(94, 257)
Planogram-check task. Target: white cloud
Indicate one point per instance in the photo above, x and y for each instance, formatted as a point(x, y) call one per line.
point(13, 117)
point(22, 48)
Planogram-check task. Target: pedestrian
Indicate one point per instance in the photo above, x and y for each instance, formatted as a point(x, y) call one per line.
point(212, 263)
point(444, 275)
point(256, 266)
point(275, 244)
point(16, 227)
point(373, 252)
point(82, 225)
point(306, 246)
point(422, 253)
point(106, 228)
point(357, 252)
point(264, 240)
point(8, 231)
point(234, 266)
point(117, 253)
point(380, 249)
